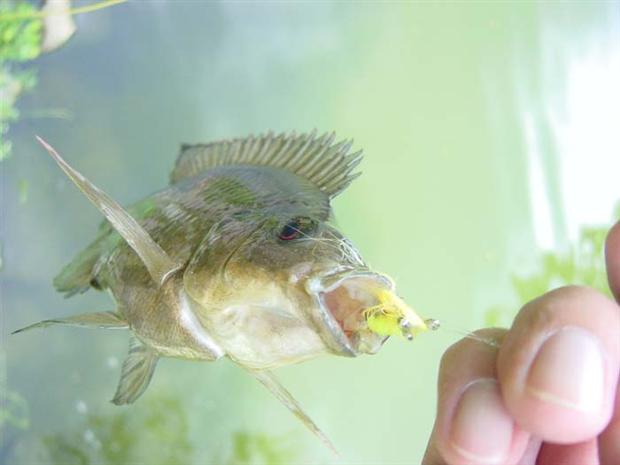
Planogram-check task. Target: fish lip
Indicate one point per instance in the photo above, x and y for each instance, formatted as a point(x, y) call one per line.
point(321, 284)
point(330, 281)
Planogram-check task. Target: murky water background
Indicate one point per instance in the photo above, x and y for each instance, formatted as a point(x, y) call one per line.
point(490, 134)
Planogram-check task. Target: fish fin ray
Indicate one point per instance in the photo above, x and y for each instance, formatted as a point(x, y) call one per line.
point(77, 276)
point(268, 379)
point(327, 165)
point(137, 371)
point(158, 263)
point(101, 320)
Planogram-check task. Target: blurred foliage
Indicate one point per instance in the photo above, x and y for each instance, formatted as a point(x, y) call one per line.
point(20, 36)
point(14, 413)
point(258, 449)
point(24, 188)
point(13, 410)
point(13, 407)
point(122, 438)
point(494, 317)
point(582, 264)
point(127, 437)
point(20, 41)
point(12, 85)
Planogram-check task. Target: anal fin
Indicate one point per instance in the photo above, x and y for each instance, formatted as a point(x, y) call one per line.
point(102, 320)
point(268, 380)
point(137, 372)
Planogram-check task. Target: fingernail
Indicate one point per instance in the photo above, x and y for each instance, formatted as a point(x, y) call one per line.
point(569, 371)
point(481, 429)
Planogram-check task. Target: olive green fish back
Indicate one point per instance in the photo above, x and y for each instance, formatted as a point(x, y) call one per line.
point(325, 164)
point(316, 159)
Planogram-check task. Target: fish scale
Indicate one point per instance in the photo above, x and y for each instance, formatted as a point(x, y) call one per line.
point(236, 258)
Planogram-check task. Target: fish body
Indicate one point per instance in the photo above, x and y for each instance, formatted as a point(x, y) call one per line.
point(237, 257)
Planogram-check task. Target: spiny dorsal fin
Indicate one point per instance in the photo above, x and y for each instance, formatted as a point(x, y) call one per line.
point(137, 372)
point(326, 164)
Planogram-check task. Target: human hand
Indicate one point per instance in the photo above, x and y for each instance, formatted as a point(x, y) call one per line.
point(548, 396)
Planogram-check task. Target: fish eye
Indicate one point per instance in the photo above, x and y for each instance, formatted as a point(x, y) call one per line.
point(296, 228)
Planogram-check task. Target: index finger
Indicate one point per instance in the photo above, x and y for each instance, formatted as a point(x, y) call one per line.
point(612, 258)
point(609, 442)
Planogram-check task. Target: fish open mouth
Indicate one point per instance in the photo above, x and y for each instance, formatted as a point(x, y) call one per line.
point(362, 311)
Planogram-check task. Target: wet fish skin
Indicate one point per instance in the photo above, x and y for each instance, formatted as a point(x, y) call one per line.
point(200, 222)
point(234, 258)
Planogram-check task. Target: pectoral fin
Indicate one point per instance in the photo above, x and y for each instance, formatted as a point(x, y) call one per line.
point(102, 320)
point(137, 372)
point(271, 382)
point(157, 262)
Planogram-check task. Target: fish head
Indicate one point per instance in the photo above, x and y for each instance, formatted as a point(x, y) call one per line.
point(289, 276)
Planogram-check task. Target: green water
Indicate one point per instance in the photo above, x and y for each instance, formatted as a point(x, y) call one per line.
point(490, 136)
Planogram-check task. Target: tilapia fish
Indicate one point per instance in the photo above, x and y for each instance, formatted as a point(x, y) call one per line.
point(237, 257)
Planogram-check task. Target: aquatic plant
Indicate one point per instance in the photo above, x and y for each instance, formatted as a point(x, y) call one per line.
point(129, 436)
point(123, 437)
point(20, 41)
point(20, 31)
point(582, 263)
point(13, 410)
point(25, 32)
point(259, 449)
point(14, 413)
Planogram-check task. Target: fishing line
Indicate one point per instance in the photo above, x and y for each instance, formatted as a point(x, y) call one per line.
point(489, 341)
